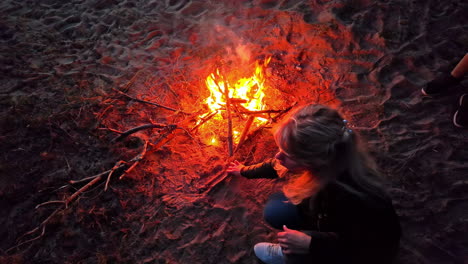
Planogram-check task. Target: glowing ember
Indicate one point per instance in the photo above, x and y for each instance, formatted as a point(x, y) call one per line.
point(246, 94)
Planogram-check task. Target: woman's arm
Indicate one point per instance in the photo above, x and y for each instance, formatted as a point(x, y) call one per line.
point(261, 170)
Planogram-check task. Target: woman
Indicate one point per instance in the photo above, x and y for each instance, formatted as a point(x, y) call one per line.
point(333, 208)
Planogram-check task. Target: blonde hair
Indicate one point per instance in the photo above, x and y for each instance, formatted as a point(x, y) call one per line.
point(317, 138)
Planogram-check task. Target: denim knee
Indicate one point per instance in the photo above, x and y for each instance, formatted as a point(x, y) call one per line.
point(280, 211)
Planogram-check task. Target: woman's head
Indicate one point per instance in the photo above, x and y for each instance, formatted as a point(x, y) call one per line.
point(315, 143)
point(311, 138)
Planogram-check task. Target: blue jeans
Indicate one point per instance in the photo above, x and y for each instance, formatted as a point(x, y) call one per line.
point(280, 211)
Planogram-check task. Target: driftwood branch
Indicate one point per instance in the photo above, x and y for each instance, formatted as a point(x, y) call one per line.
point(64, 203)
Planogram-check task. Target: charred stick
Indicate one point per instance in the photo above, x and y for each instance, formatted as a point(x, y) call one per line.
point(215, 181)
point(228, 112)
point(81, 190)
point(136, 129)
point(89, 178)
point(247, 126)
point(132, 80)
point(137, 159)
point(166, 137)
point(147, 102)
point(49, 202)
point(280, 114)
point(237, 101)
point(264, 112)
point(111, 129)
point(117, 166)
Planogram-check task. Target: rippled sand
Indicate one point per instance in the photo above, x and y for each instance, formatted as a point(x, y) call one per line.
point(62, 61)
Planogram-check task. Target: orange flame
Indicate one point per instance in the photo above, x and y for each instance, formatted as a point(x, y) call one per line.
point(246, 94)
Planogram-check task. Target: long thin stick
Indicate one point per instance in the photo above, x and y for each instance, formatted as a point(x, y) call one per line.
point(136, 129)
point(81, 190)
point(89, 178)
point(204, 120)
point(228, 112)
point(151, 103)
point(117, 166)
point(164, 138)
point(137, 160)
point(49, 202)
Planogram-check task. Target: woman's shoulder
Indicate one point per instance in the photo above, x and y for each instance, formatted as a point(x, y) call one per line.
point(346, 196)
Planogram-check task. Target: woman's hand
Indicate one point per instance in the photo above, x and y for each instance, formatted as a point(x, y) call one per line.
point(293, 241)
point(234, 168)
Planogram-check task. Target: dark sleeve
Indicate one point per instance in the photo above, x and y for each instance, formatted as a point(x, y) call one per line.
point(262, 170)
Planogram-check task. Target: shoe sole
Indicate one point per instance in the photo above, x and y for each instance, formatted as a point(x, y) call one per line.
point(460, 101)
point(429, 95)
point(424, 92)
point(455, 120)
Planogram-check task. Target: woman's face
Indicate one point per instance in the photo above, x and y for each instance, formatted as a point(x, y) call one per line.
point(286, 161)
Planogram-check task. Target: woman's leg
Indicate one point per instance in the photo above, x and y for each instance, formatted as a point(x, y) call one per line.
point(280, 211)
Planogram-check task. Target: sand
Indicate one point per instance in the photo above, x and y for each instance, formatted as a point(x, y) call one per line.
point(62, 62)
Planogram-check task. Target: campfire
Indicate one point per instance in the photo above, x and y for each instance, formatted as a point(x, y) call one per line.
point(239, 102)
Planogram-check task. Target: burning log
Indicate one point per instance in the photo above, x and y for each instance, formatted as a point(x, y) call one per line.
point(230, 140)
point(247, 126)
point(264, 112)
point(237, 101)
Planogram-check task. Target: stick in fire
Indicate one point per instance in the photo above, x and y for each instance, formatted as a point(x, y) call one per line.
point(228, 112)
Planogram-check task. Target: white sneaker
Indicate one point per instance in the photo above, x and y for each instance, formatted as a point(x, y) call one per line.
point(269, 253)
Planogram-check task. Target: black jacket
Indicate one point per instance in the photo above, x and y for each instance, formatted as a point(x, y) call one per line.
point(345, 227)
